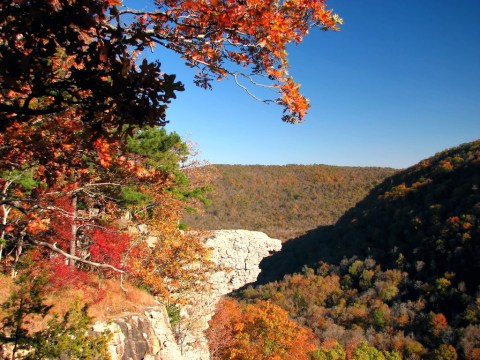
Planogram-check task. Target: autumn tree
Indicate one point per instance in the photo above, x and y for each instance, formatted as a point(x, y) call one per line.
point(85, 55)
point(72, 90)
point(257, 331)
point(364, 351)
point(220, 333)
point(445, 352)
point(329, 350)
point(85, 220)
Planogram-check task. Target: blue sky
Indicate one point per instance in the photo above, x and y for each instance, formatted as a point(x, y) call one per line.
point(398, 83)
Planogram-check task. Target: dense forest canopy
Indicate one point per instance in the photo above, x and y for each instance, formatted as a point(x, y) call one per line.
point(408, 281)
point(427, 214)
point(284, 201)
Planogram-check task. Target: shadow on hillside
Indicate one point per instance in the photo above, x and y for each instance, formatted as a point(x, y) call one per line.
point(305, 250)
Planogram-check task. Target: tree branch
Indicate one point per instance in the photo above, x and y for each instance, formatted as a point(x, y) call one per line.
point(235, 77)
point(54, 248)
point(22, 111)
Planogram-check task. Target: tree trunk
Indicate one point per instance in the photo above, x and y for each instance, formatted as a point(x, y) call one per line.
point(18, 252)
point(73, 240)
point(5, 212)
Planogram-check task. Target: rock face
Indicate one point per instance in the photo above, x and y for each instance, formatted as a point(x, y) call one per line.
point(146, 336)
point(239, 252)
point(149, 336)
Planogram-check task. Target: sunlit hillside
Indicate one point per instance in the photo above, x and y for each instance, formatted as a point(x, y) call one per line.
point(284, 201)
point(408, 281)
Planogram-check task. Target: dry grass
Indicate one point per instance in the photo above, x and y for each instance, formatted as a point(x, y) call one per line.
point(105, 300)
point(6, 287)
point(116, 301)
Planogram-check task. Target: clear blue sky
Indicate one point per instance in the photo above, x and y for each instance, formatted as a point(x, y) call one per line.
point(398, 83)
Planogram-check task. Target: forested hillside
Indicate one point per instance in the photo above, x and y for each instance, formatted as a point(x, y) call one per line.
point(284, 201)
point(410, 283)
point(427, 213)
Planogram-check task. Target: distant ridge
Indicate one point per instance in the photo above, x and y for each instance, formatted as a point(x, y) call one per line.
point(284, 201)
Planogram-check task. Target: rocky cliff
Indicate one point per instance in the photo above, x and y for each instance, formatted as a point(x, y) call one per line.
point(149, 335)
point(240, 252)
point(146, 336)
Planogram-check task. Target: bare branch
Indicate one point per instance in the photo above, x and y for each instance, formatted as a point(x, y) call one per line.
point(141, 13)
point(101, 184)
point(15, 204)
point(121, 284)
point(259, 84)
point(235, 76)
point(54, 248)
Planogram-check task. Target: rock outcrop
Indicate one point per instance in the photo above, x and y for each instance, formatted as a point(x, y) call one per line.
point(146, 336)
point(240, 252)
point(149, 336)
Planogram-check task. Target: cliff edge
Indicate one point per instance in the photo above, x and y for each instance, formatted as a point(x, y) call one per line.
point(149, 336)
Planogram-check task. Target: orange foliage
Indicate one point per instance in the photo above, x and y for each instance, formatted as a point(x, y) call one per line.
point(473, 354)
point(257, 331)
point(96, 71)
point(176, 260)
point(221, 331)
point(72, 91)
point(70, 94)
point(438, 323)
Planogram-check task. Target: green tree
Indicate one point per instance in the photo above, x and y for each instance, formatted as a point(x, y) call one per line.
point(71, 338)
point(67, 338)
point(165, 152)
point(367, 352)
point(445, 352)
point(24, 303)
point(334, 352)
